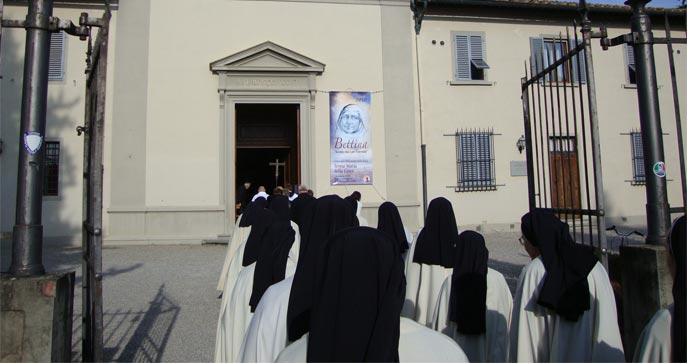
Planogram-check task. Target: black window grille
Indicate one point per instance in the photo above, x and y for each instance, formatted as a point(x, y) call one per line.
point(51, 172)
point(638, 172)
point(563, 144)
point(475, 160)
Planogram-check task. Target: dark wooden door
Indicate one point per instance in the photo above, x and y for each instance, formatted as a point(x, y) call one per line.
point(565, 180)
point(265, 133)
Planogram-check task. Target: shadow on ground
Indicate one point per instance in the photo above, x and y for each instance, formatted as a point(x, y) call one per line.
point(151, 330)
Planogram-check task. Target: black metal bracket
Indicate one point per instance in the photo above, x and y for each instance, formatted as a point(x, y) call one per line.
point(81, 130)
point(55, 24)
point(635, 38)
point(621, 39)
point(418, 13)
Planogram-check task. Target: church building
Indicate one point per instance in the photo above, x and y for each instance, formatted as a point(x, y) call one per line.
point(336, 95)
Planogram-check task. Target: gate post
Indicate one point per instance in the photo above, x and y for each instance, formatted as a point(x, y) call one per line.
point(27, 237)
point(528, 144)
point(587, 35)
point(657, 208)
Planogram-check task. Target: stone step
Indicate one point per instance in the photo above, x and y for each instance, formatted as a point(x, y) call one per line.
point(220, 240)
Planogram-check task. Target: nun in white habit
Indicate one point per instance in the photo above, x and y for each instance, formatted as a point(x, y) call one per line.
point(238, 238)
point(276, 241)
point(663, 339)
point(430, 261)
point(267, 334)
point(357, 299)
point(564, 309)
point(474, 306)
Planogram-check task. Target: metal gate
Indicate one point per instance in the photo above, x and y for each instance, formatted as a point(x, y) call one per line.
point(562, 134)
point(93, 131)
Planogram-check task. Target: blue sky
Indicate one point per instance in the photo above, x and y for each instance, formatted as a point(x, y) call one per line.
point(654, 3)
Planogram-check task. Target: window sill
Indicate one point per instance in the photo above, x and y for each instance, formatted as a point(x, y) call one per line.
point(562, 84)
point(471, 83)
point(634, 86)
point(52, 198)
point(485, 188)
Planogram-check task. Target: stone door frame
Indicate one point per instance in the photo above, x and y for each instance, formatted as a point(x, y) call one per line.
point(266, 73)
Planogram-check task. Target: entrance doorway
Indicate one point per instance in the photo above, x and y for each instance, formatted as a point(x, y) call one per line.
point(267, 143)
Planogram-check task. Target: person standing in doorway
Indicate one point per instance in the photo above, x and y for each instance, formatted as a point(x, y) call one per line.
point(244, 196)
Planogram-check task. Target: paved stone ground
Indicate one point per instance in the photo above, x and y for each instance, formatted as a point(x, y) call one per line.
point(160, 302)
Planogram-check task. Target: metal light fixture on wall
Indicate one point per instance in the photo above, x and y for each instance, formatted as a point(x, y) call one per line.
point(521, 143)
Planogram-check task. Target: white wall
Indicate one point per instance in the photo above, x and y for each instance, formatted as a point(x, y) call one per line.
point(182, 140)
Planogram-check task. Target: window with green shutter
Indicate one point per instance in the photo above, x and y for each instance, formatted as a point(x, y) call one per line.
point(56, 63)
point(630, 61)
point(469, 56)
point(545, 51)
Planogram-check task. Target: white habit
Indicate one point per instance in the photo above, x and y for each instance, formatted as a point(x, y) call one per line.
point(416, 344)
point(655, 343)
point(238, 237)
point(423, 283)
point(235, 315)
point(493, 345)
point(409, 236)
point(540, 335)
point(267, 335)
point(358, 213)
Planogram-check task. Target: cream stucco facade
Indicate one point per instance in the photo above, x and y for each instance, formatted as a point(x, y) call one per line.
point(495, 103)
point(177, 69)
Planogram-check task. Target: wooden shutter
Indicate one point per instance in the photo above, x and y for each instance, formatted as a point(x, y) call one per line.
point(630, 61)
point(484, 157)
point(536, 54)
point(462, 57)
point(630, 56)
point(56, 64)
point(477, 52)
point(582, 77)
point(469, 158)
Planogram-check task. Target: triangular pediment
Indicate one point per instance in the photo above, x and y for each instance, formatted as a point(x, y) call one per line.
point(267, 57)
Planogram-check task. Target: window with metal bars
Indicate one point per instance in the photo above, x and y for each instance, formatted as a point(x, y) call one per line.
point(545, 51)
point(469, 56)
point(475, 160)
point(51, 170)
point(56, 63)
point(638, 172)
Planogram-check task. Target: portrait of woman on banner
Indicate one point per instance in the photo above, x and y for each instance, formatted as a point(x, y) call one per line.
point(350, 120)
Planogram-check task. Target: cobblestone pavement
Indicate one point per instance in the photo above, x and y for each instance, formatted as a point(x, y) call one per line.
point(160, 302)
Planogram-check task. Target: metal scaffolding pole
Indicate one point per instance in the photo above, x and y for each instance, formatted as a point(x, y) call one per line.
point(27, 239)
point(657, 208)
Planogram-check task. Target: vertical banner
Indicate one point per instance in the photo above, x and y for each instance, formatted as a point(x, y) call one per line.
point(349, 137)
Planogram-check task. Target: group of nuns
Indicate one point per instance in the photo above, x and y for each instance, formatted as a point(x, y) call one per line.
point(304, 281)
